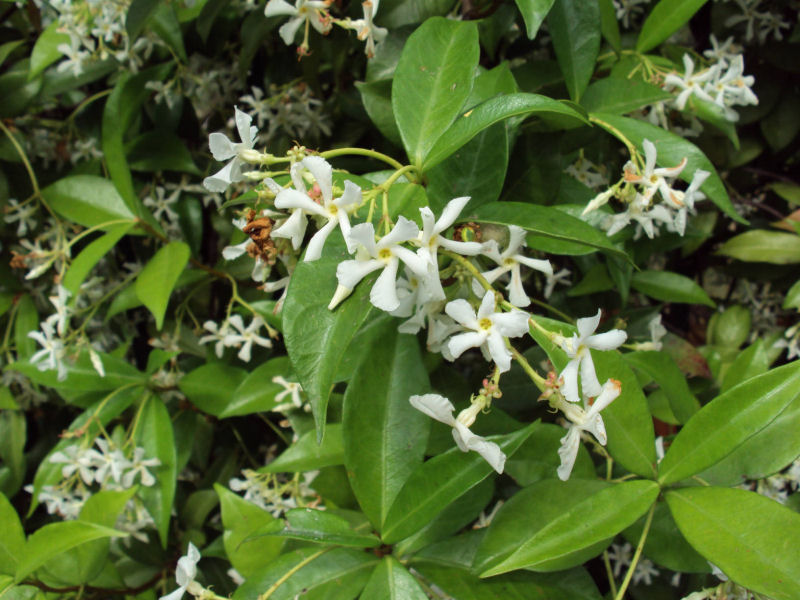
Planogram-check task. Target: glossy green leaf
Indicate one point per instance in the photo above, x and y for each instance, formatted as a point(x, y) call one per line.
point(376, 96)
point(609, 26)
point(248, 554)
point(317, 338)
point(257, 392)
point(156, 436)
point(617, 95)
point(87, 200)
point(384, 436)
point(7, 48)
point(312, 525)
point(27, 320)
point(538, 459)
point(761, 245)
point(137, 16)
point(307, 455)
point(438, 482)
point(670, 287)
point(754, 540)
point(45, 51)
point(13, 436)
point(17, 92)
point(160, 151)
point(753, 360)
point(792, 298)
point(157, 279)
point(209, 386)
point(432, 81)
point(544, 221)
point(90, 256)
point(492, 111)
point(665, 372)
point(82, 376)
point(671, 150)
point(54, 538)
point(665, 19)
point(534, 13)
point(13, 539)
point(575, 28)
point(728, 421)
point(164, 23)
point(553, 524)
point(127, 298)
point(391, 581)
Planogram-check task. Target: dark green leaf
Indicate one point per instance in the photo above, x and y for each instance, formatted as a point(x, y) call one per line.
point(45, 51)
point(27, 320)
point(668, 376)
point(209, 386)
point(391, 581)
point(665, 19)
point(609, 26)
point(13, 539)
point(670, 287)
point(256, 392)
point(155, 282)
point(160, 151)
point(137, 16)
point(575, 28)
point(90, 256)
point(322, 527)
point(82, 376)
point(307, 455)
point(760, 245)
point(618, 96)
point(533, 13)
point(164, 23)
point(87, 200)
point(377, 99)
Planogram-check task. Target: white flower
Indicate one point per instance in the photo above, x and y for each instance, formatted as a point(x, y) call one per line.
point(223, 148)
point(652, 179)
point(247, 336)
point(52, 354)
point(684, 201)
point(139, 465)
point(510, 260)
point(578, 350)
point(561, 276)
point(644, 572)
point(587, 173)
point(61, 316)
point(489, 329)
point(386, 254)
point(218, 334)
point(366, 29)
point(291, 389)
point(185, 574)
point(648, 217)
point(620, 557)
point(74, 459)
point(690, 84)
point(313, 11)
point(23, 214)
point(108, 462)
point(334, 210)
point(441, 409)
point(162, 204)
point(584, 419)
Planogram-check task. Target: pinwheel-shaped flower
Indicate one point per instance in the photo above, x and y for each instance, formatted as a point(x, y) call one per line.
point(313, 11)
point(223, 148)
point(489, 329)
point(652, 179)
point(690, 83)
point(684, 201)
point(440, 408)
point(578, 350)
point(335, 210)
point(584, 419)
point(385, 254)
point(185, 574)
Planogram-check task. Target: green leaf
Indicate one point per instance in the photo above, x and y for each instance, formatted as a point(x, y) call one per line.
point(137, 16)
point(432, 81)
point(156, 436)
point(16, 91)
point(87, 200)
point(665, 372)
point(492, 111)
point(609, 26)
point(752, 361)
point(155, 282)
point(738, 531)
point(209, 386)
point(322, 527)
point(391, 581)
point(307, 455)
point(544, 221)
point(670, 287)
point(82, 376)
point(553, 524)
point(792, 299)
point(13, 435)
point(671, 150)
point(438, 482)
point(760, 245)
point(127, 298)
point(665, 19)
point(533, 13)
point(377, 99)
point(164, 23)
point(575, 28)
point(55, 538)
point(7, 48)
point(317, 338)
point(384, 436)
point(617, 95)
point(45, 51)
point(788, 191)
point(13, 539)
point(27, 320)
point(160, 150)
point(90, 256)
point(256, 392)
point(248, 554)
point(728, 421)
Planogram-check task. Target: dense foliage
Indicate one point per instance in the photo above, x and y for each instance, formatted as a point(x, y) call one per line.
point(470, 299)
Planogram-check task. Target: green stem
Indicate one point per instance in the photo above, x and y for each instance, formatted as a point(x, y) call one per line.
point(537, 379)
point(621, 594)
point(395, 176)
point(617, 134)
point(609, 573)
point(362, 152)
point(86, 232)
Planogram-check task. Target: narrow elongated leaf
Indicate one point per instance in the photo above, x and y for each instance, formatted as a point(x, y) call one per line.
point(257, 392)
point(90, 256)
point(668, 376)
point(575, 27)
point(13, 435)
point(534, 13)
point(546, 222)
point(209, 386)
point(307, 455)
point(317, 338)
point(82, 376)
point(160, 151)
point(728, 421)
point(322, 527)
point(12, 541)
point(754, 540)
point(618, 95)
point(666, 18)
point(432, 81)
point(492, 111)
point(391, 581)
point(671, 150)
point(54, 538)
point(87, 200)
point(384, 436)
point(555, 524)
point(27, 320)
point(156, 436)
point(670, 287)
point(609, 26)
point(155, 282)
point(45, 51)
point(760, 245)
point(438, 482)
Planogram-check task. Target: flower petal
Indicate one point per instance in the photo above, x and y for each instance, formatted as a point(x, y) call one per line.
point(610, 340)
point(568, 452)
point(222, 148)
point(383, 294)
point(323, 173)
point(462, 311)
point(293, 199)
point(350, 272)
point(570, 377)
point(490, 451)
point(588, 325)
point(458, 344)
point(498, 351)
point(435, 406)
point(450, 213)
point(314, 248)
point(589, 383)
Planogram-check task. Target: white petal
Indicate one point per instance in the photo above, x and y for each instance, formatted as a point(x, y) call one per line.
point(323, 173)
point(416, 263)
point(463, 248)
point(462, 311)
point(516, 292)
point(450, 213)
point(221, 147)
point(568, 452)
point(384, 293)
point(364, 234)
point(498, 351)
point(350, 272)
point(570, 377)
point(234, 252)
point(597, 428)
point(176, 595)
point(403, 231)
point(291, 198)
point(486, 308)
point(541, 265)
point(516, 240)
point(219, 181)
point(650, 155)
point(458, 344)
point(609, 340)
point(314, 248)
point(435, 406)
point(488, 450)
point(511, 324)
point(589, 383)
point(243, 121)
point(289, 29)
point(611, 391)
point(428, 225)
point(276, 8)
point(294, 228)
point(588, 325)
point(350, 196)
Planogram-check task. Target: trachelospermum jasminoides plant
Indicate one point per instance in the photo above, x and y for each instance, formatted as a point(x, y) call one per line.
point(269, 334)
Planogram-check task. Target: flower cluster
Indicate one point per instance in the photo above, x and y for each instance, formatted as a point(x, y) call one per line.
point(274, 492)
point(232, 333)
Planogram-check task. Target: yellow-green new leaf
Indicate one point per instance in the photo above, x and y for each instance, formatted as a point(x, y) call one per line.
point(158, 278)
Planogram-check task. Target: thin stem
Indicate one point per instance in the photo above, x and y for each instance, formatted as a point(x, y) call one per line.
point(362, 152)
point(617, 134)
point(609, 573)
point(537, 379)
point(86, 232)
point(562, 315)
point(292, 571)
point(87, 101)
point(636, 555)
point(396, 175)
